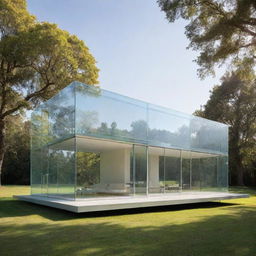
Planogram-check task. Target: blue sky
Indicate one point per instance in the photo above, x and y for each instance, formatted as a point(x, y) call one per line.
point(138, 52)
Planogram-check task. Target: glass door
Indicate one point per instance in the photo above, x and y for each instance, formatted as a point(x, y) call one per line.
point(44, 172)
point(52, 171)
point(173, 174)
point(186, 170)
point(44, 184)
point(139, 169)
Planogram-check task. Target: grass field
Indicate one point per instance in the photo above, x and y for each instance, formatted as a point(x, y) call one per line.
point(226, 228)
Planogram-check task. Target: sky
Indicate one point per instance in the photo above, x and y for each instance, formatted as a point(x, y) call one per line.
point(139, 53)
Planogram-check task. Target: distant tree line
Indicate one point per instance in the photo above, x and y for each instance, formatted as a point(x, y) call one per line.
point(16, 165)
point(234, 102)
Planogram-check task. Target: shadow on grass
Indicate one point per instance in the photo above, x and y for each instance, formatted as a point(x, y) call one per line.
point(233, 234)
point(142, 210)
point(15, 208)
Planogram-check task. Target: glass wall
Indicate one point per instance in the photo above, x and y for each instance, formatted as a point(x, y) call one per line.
point(172, 164)
point(60, 169)
point(87, 142)
point(88, 172)
point(103, 168)
point(104, 114)
point(140, 169)
point(53, 146)
point(186, 166)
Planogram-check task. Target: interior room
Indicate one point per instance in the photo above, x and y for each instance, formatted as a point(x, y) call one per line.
point(106, 168)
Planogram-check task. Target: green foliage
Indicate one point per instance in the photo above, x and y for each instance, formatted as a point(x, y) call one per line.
point(88, 168)
point(14, 16)
point(37, 59)
point(222, 30)
point(234, 103)
point(16, 164)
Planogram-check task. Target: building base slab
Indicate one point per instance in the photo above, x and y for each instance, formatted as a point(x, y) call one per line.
point(129, 202)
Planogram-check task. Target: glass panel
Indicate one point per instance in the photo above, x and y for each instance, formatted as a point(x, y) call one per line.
point(88, 172)
point(61, 114)
point(99, 116)
point(208, 172)
point(52, 154)
point(61, 169)
point(186, 167)
point(132, 171)
point(44, 171)
point(195, 171)
point(36, 171)
point(168, 128)
point(172, 170)
point(162, 171)
point(208, 136)
point(155, 170)
point(38, 155)
point(222, 172)
point(103, 168)
point(53, 171)
point(137, 121)
point(140, 169)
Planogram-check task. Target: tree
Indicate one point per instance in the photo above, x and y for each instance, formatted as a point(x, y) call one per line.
point(223, 31)
point(88, 168)
point(16, 161)
point(37, 59)
point(234, 103)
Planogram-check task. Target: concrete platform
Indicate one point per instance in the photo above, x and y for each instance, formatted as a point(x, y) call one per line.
point(128, 202)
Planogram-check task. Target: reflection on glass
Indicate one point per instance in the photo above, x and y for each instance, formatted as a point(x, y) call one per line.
point(144, 123)
point(89, 142)
point(209, 173)
point(172, 163)
point(140, 169)
point(88, 173)
point(195, 172)
point(222, 173)
point(186, 170)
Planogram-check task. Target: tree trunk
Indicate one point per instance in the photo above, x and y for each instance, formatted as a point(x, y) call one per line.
point(2, 145)
point(235, 142)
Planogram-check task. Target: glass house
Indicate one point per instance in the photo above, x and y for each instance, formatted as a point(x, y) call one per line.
point(87, 142)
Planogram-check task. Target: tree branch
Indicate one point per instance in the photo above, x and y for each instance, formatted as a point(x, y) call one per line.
point(244, 29)
point(26, 99)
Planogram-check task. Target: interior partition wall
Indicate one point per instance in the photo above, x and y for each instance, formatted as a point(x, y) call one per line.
point(88, 142)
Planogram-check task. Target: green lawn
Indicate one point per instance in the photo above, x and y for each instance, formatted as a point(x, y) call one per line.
point(227, 228)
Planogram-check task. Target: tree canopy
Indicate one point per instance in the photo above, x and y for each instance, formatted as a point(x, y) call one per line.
point(223, 31)
point(16, 166)
point(234, 103)
point(37, 59)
